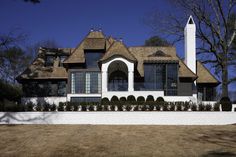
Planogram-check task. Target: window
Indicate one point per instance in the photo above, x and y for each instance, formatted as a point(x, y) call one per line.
point(118, 81)
point(86, 82)
point(92, 58)
point(206, 93)
point(61, 88)
point(154, 76)
point(161, 77)
point(172, 78)
point(49, 60)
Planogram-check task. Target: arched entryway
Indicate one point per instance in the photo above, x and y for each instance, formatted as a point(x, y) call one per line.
point(117, 76)
point(120, 72)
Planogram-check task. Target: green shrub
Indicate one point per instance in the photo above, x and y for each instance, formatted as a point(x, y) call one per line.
point(38, 107)
point(150, 98)
point(158, 106)
point(216, 107)
point(144, 108)
point(160, 99)
point(151, 105)
point(201, 107)
point(179, 106)
point(208, 107)
point(61, 106)
point(165, 107)
point(53, 107)
point(46, 107)
point(30, 106)
point(114, 99)
point(75, 106)
point(120, 107)
point(122, 99)
point(105, 108)
point(193, 107)
point(91, 107)
point(131, 98)
point(226, 104)
point(105, 101)
point(140, 100)
point(99, 107)
point(83, 106)
point(113, 107)
point(172, 106)
point(10, 106)
point(128, 107)
point(186, 106)
point(136, 107)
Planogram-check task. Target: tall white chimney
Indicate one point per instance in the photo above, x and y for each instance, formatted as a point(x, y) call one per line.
point(190, 44)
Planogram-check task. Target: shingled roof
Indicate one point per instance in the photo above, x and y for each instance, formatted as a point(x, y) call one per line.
point(94, 40)
point(159, 54)
point(117, 48)
point(97, 40)
point(204, 75)
point(37, 70)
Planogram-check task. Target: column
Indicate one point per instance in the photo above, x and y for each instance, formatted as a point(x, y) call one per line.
point(104, 81)
point(131, 81)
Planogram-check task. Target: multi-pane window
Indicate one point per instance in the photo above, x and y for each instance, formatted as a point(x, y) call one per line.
point(161, 77)
point(206, 93)
point(154, 76)
point(86, 82)
point(118, 81)
point(172, 78)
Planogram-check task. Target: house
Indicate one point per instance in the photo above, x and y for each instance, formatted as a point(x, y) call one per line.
point(101, 66)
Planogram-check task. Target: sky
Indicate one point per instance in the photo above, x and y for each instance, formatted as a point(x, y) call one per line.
point(68, 21)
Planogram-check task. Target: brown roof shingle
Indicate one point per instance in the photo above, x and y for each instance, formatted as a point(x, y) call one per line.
point(117, 48)
point(204, 75)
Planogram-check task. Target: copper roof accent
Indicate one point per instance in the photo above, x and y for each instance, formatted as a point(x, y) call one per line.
point(118, 49)
point(204, 75)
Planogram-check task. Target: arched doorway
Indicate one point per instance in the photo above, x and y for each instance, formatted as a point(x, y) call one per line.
point(117, 76)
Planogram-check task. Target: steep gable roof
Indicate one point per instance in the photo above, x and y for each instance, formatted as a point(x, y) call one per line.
point(94, 40)
point(204, 75)
point(117, 48)
point(150, 54)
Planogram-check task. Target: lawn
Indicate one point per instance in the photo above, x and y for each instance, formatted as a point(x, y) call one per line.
point(95, 140)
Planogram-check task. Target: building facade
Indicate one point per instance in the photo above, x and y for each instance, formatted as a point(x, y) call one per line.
point(101, 67)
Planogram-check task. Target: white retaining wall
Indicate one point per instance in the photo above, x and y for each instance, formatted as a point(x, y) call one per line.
point(50, 100)
point(119, 118)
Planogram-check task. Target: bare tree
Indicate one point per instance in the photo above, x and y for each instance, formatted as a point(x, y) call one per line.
point(216, 31)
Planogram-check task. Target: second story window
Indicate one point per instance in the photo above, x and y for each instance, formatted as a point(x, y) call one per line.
point(92, 58)
point(49, 61)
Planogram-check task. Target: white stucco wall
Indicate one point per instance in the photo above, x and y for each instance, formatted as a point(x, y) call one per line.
point(130, 67)
point(50, 100)
point(119, 118)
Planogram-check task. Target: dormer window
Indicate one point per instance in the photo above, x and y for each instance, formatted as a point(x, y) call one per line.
point(49, 61)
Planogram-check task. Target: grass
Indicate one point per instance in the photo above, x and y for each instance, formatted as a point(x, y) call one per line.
point(92, 140)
